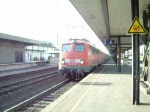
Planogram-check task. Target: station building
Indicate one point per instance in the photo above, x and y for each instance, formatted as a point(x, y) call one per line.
point(12, 48)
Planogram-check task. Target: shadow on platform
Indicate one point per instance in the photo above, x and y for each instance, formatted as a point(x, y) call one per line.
point(96, 83)
point(146, 104)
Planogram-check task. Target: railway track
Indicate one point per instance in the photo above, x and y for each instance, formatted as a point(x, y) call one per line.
point(16, 92)
point(40, 101)
point(20, 76)
point(4, 89)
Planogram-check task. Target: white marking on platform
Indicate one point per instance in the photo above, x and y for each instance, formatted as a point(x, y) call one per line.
point(75, 106)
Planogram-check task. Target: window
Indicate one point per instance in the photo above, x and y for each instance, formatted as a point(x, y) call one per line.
point(66, 48)
point(94, 50)
point(79, 47)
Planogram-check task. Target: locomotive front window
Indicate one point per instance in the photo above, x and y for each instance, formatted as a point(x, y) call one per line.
point(79, 47)
point(66, 48)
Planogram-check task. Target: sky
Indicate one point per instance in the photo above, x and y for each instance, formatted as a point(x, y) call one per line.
point(43, 20)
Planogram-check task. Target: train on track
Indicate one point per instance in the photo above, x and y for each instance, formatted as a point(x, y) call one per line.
point(79, 57)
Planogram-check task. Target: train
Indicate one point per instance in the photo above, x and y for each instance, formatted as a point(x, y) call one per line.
point(78, 57)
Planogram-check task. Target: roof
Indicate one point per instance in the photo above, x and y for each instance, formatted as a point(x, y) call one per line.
point(19, 39)
point(80, 41)
point(109, 18)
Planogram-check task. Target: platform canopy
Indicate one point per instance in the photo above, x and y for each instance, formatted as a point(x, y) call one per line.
point(110, 19)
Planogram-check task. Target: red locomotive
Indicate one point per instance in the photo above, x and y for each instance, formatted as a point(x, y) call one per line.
point(78, 58)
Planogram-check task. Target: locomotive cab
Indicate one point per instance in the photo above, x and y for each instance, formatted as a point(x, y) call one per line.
point(73, 60)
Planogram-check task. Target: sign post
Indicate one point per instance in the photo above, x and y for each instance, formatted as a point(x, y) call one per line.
point(135, 29)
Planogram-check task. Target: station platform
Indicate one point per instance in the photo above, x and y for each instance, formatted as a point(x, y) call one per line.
point(12, 71)
point(104, 90)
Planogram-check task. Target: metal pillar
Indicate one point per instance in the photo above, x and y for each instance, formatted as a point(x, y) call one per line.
point(135, 41)
point(116, 55)
point(119, 47)
point(38, 49)
point(124, 53)
point(32, 48)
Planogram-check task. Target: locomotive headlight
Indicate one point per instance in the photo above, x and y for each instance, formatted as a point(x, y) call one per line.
point(81, 61)
point(63, 61)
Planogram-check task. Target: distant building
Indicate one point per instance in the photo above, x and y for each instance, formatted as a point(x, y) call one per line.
point(44, 51)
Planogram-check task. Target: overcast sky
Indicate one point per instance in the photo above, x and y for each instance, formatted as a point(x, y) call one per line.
point(37, 19)
point(43, 20)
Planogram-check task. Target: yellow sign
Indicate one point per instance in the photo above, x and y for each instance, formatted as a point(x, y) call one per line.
point(136, 27)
